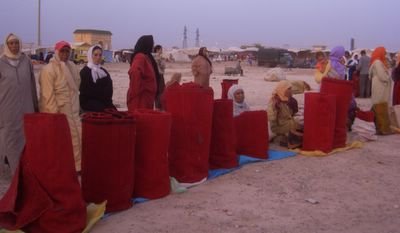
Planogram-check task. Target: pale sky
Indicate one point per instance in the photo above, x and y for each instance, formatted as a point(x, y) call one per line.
point(222, 23)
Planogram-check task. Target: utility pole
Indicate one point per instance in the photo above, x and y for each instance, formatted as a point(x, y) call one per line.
point(39, 42)
point(184, 45)
point(197, 37)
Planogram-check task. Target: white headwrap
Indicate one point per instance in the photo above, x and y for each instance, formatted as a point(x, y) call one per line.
point(7, 51)
point(97, 72)
point(238, 108)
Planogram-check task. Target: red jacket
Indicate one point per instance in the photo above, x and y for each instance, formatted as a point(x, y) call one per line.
point(142, 85)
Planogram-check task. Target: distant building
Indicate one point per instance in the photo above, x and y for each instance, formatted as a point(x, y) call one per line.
point(92, 37)
point(319, 47)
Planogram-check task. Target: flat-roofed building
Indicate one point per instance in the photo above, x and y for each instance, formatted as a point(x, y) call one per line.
point(92, 36)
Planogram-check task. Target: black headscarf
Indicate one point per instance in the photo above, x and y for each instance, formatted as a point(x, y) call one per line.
point(203, 54)
point(145, 45)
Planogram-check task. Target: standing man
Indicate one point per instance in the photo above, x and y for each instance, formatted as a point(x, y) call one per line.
point(17, 97)
point(365, 83)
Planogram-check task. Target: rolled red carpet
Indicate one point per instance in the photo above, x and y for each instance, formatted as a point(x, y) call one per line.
point(252, 134)
point(226, 84)
point(319, 122)
point(191, 107)
point(343, 91)
point(153, 129)
point(45, 195)
point(108, 149)
point(223, 138)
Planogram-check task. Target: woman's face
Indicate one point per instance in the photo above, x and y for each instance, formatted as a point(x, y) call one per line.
point(13, 46)
point(64, 53)
point(239, 96)
point(288, 92)
point(97, 56)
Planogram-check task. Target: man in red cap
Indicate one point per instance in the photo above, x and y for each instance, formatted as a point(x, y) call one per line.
point(59, 93)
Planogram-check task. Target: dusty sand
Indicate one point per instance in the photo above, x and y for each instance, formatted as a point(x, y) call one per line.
point(356, 191)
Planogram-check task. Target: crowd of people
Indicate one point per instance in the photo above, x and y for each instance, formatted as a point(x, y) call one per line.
point(65, 89)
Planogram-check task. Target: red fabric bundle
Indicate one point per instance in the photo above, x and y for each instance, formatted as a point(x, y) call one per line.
point(368, 116)
point(191, 107)
point(319, 122)
point(252, 134)
point(46, 192)
point(396, 93)
point(356, 84)
point(153, 130)
point(223, 138)
point(343, 90)
point(226, 84)
point(108, 149)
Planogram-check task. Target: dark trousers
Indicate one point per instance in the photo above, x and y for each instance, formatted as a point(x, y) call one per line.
point(365, 86)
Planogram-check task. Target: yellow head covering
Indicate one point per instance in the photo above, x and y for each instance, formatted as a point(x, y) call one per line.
point(280, 90)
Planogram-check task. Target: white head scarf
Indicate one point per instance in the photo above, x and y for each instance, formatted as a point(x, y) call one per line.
point(238, 108)
point(7, 51)
point(97, 72)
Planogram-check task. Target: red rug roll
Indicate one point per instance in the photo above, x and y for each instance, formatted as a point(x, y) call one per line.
point(319, 122)
point(51, 198)
point(252, 134)
point(153, 129)
point(368, 116)
point(223, 138)
point(396, 93)
point(108, 149)
point(226, 84)
point(191, 107)
point(356, 84)
point(343, 91)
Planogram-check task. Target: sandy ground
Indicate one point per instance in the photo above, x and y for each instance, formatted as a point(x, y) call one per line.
point(350, 192)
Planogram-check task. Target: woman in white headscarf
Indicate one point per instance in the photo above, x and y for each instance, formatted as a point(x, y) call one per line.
point(59, 93)
point(96, 89)
point(236, 93)
point(17, 97)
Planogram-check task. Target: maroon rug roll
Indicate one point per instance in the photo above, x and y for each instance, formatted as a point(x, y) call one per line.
point(319, 122)
point(153, 129)
point(25, 200)
point(356, 84)
point(226, 84)
point(191, 107)
point(108, 149)
point(252, 134)
point(48, 186)
point(368, 116)
point(223, 138)
point(343, 91)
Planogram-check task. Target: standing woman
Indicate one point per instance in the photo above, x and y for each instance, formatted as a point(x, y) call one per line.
point(59, 93)
point(143, 75)
point(202, 68)
point(396, 80)
point(96, 89)
point(379, 75)
point(380, 92)
point(17, 97)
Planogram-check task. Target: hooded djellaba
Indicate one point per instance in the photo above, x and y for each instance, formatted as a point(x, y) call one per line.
point(143, 75)
point(17, 97)
point(59, 93)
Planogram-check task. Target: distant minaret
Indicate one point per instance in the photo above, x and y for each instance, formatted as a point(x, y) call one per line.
point(184, 45)
point(352, 44)
point(197, 37)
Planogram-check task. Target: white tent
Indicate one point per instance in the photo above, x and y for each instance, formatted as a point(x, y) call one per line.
point(177, 55)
